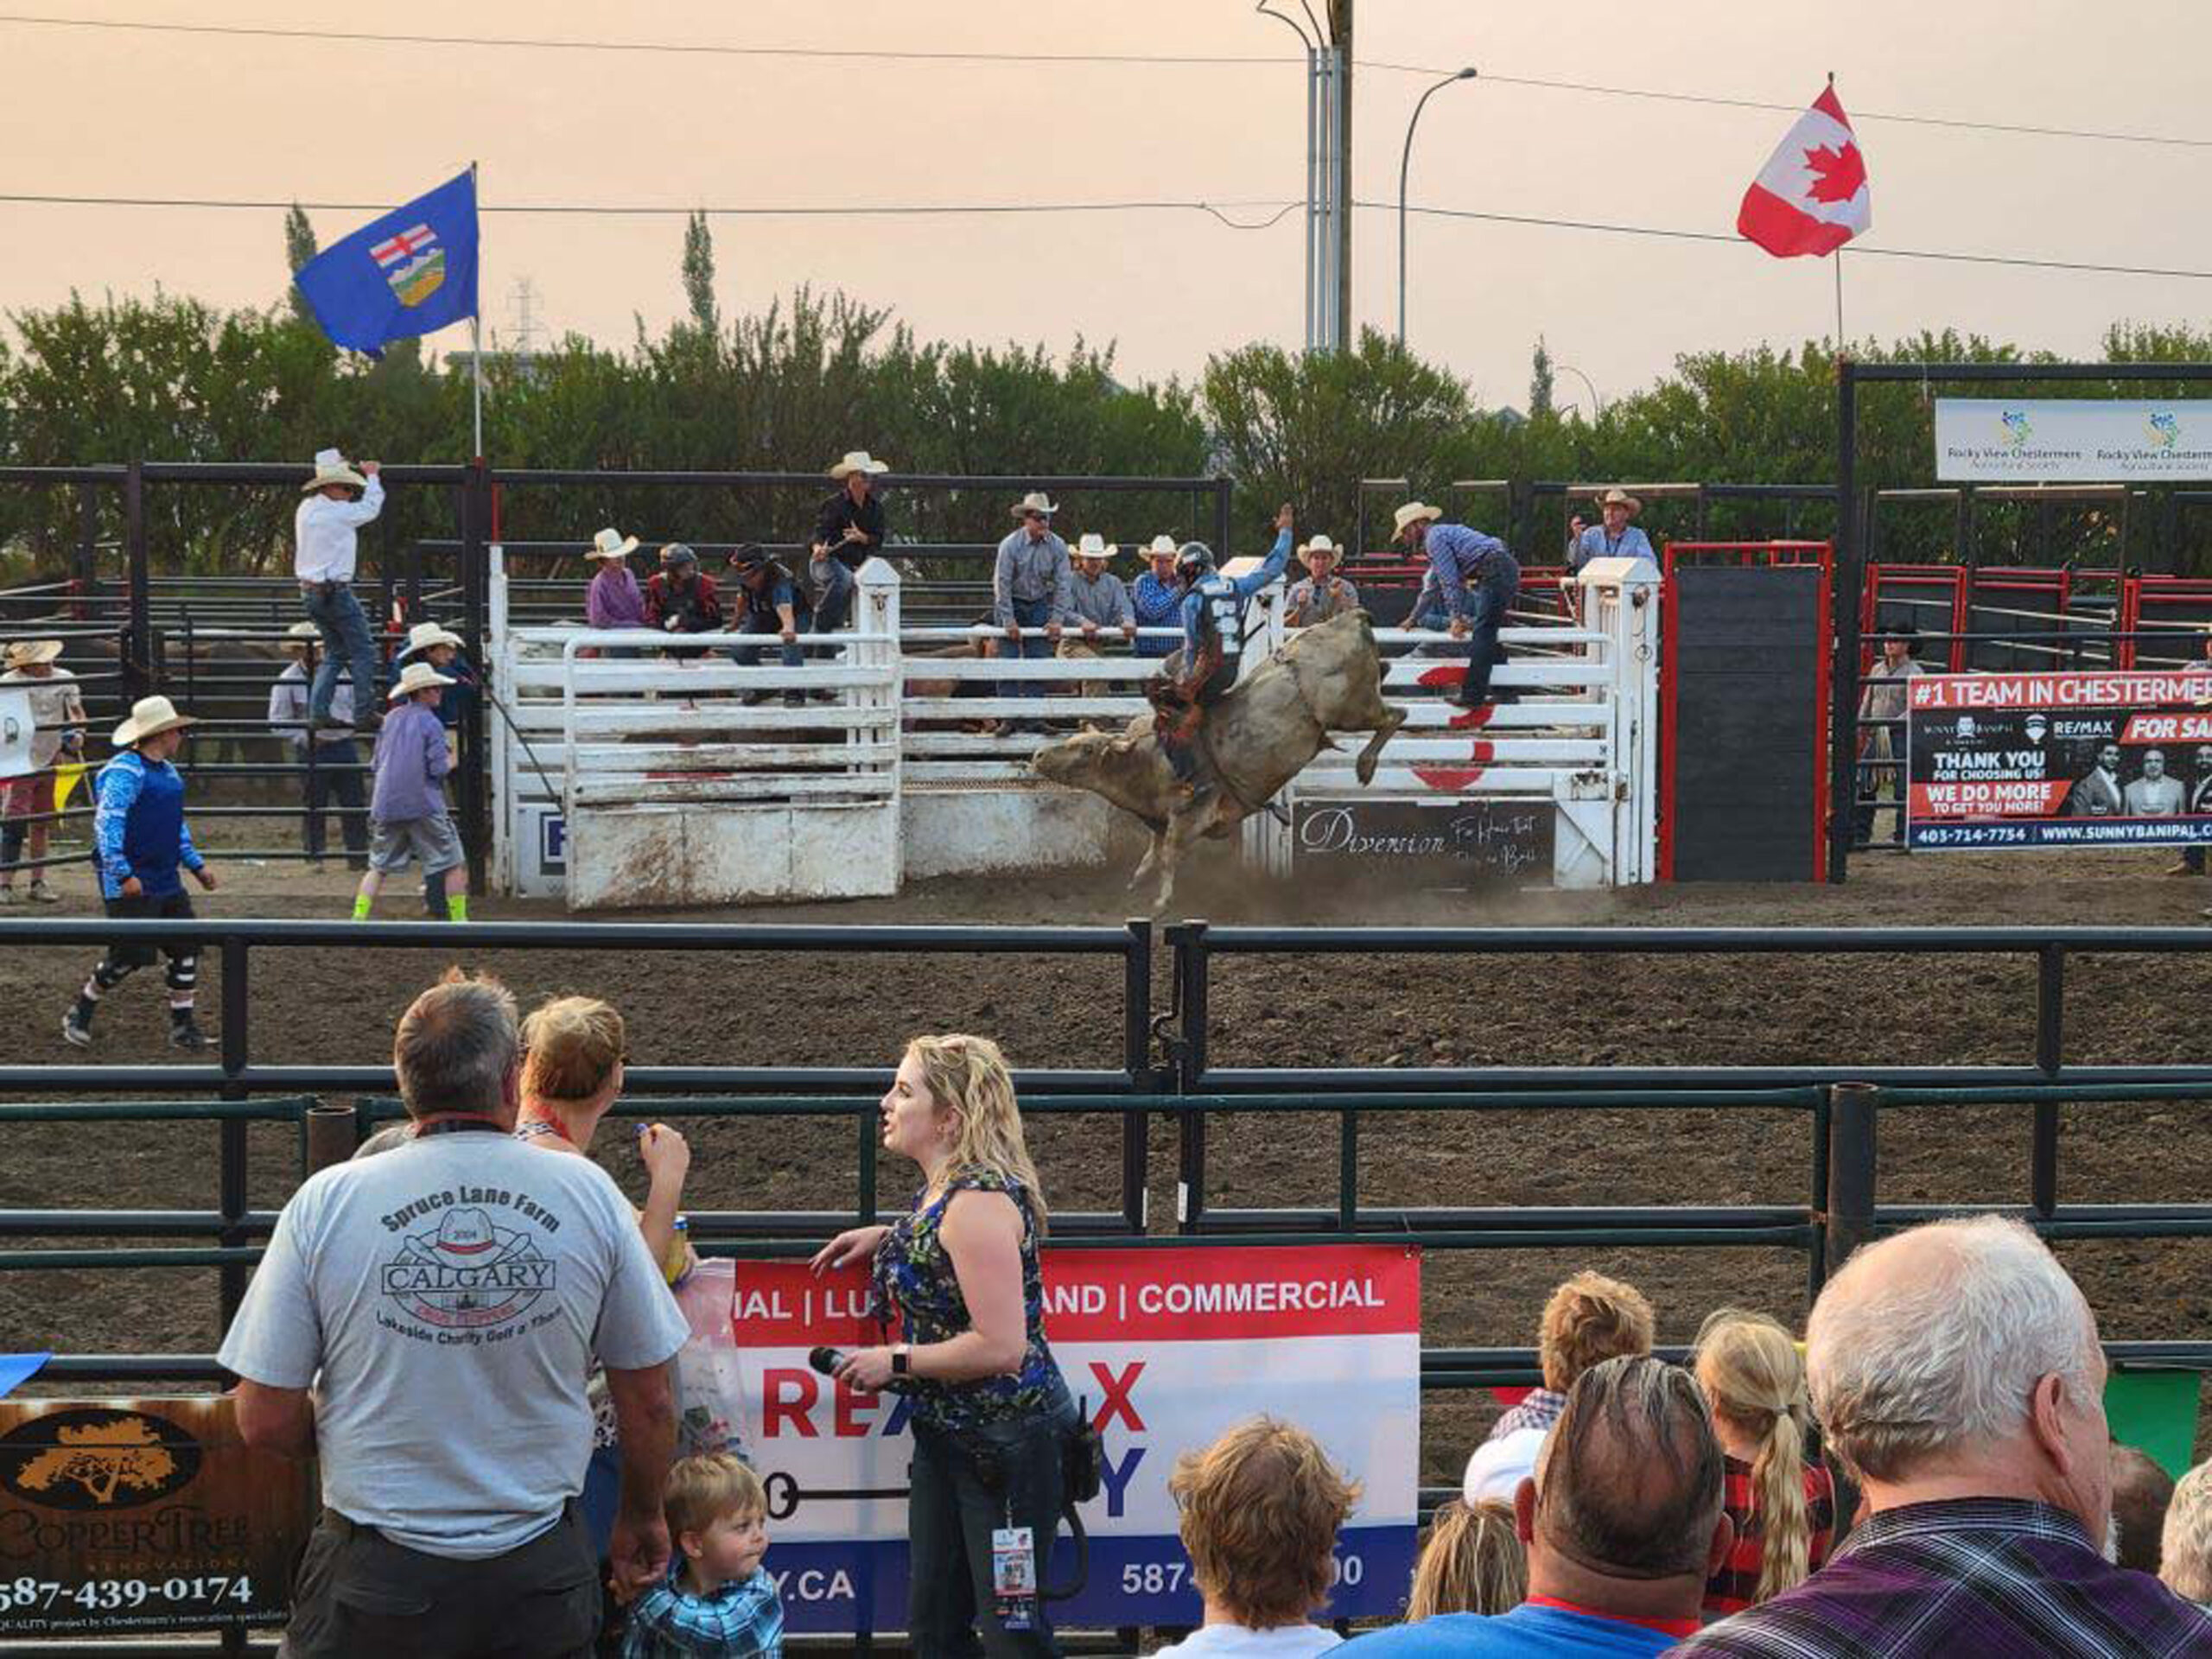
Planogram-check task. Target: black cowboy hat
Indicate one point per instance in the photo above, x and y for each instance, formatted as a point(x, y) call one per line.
point(750, 556)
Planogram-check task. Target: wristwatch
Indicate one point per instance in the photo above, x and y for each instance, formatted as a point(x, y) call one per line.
point(901, 1354)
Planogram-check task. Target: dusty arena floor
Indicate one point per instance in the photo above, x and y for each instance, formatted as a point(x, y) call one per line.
point(1413, 1012)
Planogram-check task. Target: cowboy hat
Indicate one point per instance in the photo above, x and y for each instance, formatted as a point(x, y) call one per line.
point(1617, 497)
point(750, 556)
point(416, 676)
point(423, 635)
point(150, 717)
point(611, 544)
point(1095, 546)
point(859, 461)
point(330, 468)
point(1321, 544)
point(300, 635)
point(1161, 547)
point(1035, 501)
point(26, 653)
point(1413, 512)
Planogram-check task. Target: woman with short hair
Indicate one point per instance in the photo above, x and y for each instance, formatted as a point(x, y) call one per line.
point(960, 1271)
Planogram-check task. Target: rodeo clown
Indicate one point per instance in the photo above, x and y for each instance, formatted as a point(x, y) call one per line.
point(1213, 646)
point(140, 843)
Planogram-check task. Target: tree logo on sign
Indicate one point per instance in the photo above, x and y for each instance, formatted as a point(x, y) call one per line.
point(89, 1460)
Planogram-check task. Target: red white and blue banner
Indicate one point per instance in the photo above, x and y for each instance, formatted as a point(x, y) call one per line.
point(1164, 1349)
point(2120, 759)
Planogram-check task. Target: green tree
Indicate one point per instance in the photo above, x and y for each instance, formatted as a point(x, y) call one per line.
point(299, 248)
point(1539, 382)
point(699, 275)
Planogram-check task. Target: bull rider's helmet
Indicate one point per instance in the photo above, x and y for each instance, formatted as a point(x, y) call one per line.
point(1193, 560)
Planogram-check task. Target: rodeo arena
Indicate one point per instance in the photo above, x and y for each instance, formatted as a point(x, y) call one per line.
point(1572, 1066)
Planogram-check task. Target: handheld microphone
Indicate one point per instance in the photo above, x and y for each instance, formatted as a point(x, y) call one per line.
point(825, 1360)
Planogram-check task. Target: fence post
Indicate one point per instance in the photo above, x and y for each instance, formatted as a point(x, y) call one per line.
point(230, 1180)
point(1189, 941)
point(475, 516)
point(1843, 679)
point(137, 663)
point(2050, 1050)
point(330, 1134)
point(1222, 489)
point(1136, 1060)
point(1851, 1165)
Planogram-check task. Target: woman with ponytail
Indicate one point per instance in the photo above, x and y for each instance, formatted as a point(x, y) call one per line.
point(1753, 1377)
point(990, 1409)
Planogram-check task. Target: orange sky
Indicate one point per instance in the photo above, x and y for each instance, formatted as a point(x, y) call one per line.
point(110, 113)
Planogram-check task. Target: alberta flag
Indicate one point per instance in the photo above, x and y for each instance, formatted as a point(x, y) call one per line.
point(411, 272)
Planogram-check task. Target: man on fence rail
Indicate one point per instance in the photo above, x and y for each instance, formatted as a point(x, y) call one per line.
point(141, 843)
point(1031, 589)
point(1473, 580)
point(847, 530)
point(444, 1302)
point(324, 530)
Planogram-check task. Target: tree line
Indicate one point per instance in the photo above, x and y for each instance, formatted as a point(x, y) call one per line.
point(170, 377)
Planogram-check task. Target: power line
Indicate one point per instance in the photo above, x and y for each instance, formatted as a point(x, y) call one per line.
point(1652, 95)
point(674, 49)
point(680, 48)
point(618, 210)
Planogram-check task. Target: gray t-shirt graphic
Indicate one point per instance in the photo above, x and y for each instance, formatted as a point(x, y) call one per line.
point(446, 1301)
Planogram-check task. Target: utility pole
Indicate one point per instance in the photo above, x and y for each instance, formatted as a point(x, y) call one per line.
point(1340, 35)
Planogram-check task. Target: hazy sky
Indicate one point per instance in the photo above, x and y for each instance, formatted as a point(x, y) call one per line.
point(106, 112)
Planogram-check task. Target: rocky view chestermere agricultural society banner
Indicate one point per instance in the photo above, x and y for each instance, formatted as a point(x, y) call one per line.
point(2104, 759)
point(2075, 439)
point(1163, 1349)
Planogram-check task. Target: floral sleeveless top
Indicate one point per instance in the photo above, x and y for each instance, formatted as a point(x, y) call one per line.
point(914, 1278)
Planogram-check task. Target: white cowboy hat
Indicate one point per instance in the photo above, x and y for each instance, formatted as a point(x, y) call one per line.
point(611, 544)
point(1035, 501)
point(330, 468)
point(150, 717)
point(26, 653)
point(299, 634)
point(423, 635)
point(1095, 546)
point(1413, 512)
point(416, 676)
point(859, 461)
point(1321, 544)
point(1162, 547)
point(1620, 496)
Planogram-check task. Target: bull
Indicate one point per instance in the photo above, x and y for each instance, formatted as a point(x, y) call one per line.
point(1255, 740)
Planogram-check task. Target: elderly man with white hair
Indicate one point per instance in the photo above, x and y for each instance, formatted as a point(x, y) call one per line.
point(1957, 1369)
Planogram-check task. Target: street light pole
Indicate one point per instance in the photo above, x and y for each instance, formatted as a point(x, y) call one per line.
point(1598, 404)
point(1405, 162)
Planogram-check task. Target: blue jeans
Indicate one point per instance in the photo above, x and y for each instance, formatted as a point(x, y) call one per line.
point(335, 775)
point(834, 604)
point(347, 643)
point(749, 655)
point(1030, 615)
point(1487, 603)
point(952, 1507)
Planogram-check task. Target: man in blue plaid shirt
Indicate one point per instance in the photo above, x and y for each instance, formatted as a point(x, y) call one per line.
point(716, 1603)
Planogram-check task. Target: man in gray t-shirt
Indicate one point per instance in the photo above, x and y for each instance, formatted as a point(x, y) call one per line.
point(424, 1322)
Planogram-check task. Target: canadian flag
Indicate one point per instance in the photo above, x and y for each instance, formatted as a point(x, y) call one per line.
point(1811, 195)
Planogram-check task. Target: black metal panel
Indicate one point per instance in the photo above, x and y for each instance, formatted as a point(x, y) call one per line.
point(1747, 720)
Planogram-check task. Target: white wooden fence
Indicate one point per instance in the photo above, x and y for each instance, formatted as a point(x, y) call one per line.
point(639, 780)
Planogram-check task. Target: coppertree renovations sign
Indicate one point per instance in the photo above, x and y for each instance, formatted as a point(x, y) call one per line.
point(2114, 759)
point(1436, 843)
point(142, 1517)
point(2070, 440)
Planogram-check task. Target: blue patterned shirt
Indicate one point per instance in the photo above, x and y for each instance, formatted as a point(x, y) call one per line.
point(139, 828)
point(1460, 559)
point(743, 1619)
point(1158, 604)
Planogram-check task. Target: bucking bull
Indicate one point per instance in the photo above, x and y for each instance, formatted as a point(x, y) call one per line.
point(1255, 740)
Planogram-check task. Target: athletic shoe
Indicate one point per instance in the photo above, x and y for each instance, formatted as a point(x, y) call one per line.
point(77, 1025)
point(185, 1033)
point(2183, 866)
point(42, 894)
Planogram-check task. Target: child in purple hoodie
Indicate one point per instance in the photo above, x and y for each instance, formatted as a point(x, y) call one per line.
point(407, 812)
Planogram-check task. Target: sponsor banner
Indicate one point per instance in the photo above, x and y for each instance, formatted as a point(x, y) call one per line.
point(1436, 843)
point(1164, 1350)
point(142, 1517)
point(2073, 439)
point(2058, 760)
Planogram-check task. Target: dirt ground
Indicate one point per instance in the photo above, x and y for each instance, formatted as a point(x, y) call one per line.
point(745, 1008)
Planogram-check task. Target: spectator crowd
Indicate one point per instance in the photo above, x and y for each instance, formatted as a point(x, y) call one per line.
point(1930, 1472)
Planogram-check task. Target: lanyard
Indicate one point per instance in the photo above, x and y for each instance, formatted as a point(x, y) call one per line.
point(457, 1123)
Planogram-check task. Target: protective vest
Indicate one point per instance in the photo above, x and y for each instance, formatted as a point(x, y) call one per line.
point(1223, 612)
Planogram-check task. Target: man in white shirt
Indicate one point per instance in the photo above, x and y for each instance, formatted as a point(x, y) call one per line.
point(324, 533)
point(330, 765)
point(424, 1324)
point(2153, 795)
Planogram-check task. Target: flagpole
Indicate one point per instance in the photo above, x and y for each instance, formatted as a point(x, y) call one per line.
point(476, 329)
point(1839, 301)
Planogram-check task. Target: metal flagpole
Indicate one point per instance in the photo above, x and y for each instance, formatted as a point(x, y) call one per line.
point(1839, 301)
point(476, 326)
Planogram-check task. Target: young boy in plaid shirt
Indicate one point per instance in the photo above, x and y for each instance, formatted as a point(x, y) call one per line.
point(716, 1599)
